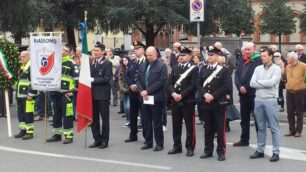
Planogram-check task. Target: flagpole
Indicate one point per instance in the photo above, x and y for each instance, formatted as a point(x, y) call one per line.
point(8, 113)
point(46, 121)
point(85, 20)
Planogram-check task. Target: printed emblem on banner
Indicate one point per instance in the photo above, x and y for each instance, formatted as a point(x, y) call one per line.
point(45, 61)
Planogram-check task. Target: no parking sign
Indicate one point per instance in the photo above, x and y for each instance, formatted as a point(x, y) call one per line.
point(196, 10)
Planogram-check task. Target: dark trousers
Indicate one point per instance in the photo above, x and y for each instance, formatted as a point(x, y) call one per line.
point(295, 103)
point(114, 85)
point(60, 117)
point(100, 107)
point(40, 104)
point(280, 99)
point(2, 103)
point(135, 106)
point(121, 106)
point(21, 103)
point(164, 110)
point(186, 112)
point(214, 118)
point(246, 107)
point(23, 116)
point(152, 122)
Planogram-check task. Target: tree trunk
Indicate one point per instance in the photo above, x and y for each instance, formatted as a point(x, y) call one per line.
point(150, 37)
point(71, 37)
point(280, 42)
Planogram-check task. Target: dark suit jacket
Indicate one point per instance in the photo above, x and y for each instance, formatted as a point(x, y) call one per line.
point(156, 81)
point(188, 85)
point(131, 76)
point(303, 58)
point(173, 60)
point(244, 80)
point(219, 86)
point(102, 74)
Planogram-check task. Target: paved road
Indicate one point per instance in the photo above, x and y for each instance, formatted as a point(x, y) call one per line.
point(36, 156)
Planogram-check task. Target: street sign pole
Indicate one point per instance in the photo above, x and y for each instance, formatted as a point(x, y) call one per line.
point(197, 15)
point(198, 35)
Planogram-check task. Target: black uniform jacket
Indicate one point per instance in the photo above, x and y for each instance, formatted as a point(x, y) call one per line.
point(219, 86)
point(188, 85)
point(102, 74)
point(157, 80)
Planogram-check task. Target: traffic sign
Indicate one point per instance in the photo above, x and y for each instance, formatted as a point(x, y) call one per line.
point(196, 10)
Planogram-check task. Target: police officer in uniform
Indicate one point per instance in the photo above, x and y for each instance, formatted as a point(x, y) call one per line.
point(62, 102)
point(130, 78)
point(101, 76)
point(25, 101)
point(214, 83)
point(182, 87)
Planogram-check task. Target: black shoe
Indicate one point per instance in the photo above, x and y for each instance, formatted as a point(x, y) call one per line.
point(130, 139)
point(282, 109)
point(206, 155)
point(55, 138)
point(95, 144)
point(189, 153)
point(103, 145)
point(158, 148)
point(144, 147)
point(240, 143)
point(120, 112)
point(175, 151)
point(20, 134)
point(68, 141)
point(274, 158)
point(257, 155)
point(115, 104)
point(27, 137)
point(221, 157)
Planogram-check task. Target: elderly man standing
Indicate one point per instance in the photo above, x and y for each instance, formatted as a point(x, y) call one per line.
point(299, 49)
point(151, 85)
point(295, 86)
point(265, 80)
point(175, 54)
point(243, 75)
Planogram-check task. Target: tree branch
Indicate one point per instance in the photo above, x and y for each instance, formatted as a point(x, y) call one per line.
point(158, 29)
point(138, 27)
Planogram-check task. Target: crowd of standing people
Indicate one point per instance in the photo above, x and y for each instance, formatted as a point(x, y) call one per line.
point(145, 85)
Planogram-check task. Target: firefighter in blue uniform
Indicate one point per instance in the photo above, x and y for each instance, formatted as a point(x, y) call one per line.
point(62, 102)
point(130, 78)
point(181, 88)
point(25, 99)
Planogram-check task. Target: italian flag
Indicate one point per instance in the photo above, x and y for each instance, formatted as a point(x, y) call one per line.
point(84, 98)
point(4, 66)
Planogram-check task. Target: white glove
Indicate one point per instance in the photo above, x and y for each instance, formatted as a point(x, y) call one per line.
point(92, 79)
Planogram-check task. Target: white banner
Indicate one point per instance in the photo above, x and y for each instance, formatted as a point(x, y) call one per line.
point(46, 62)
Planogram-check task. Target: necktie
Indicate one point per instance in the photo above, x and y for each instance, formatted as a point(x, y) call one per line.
point(147, 74)
point(96, 63)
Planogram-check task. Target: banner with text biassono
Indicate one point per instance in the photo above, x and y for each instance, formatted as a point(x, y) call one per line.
point(46, 62)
